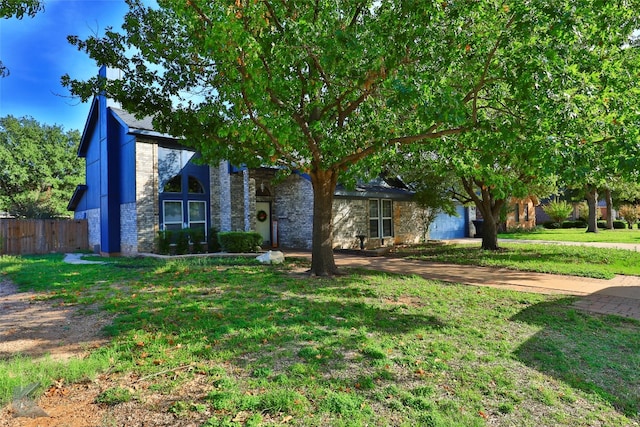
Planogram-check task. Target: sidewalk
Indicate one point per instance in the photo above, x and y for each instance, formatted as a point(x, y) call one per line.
point(625, 246)
point(619, 296)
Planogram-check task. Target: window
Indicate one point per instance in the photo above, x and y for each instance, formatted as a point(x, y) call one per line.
point(197, 215)
point(525, 208)
point(183, 191)
point(516, 214)
point(172, 215)
point(374, 218)
point(195, 187)
point(387, 218)
point(380, 218)
point(174, 185)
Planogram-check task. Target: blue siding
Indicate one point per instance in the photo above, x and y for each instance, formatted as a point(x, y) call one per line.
point(450, 227)
point(126, 171)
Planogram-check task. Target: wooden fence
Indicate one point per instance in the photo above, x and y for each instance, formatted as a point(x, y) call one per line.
point(42, 236)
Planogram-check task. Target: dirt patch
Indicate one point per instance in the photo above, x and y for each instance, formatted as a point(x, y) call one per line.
point(36, 327)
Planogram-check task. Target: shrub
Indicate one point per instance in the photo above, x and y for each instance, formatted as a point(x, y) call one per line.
point(629, 213)
point(182, 241)
point(558, 211)
point(214, 244)
point(550, 225)
point(239, 241)
point(619, 225)
point(574, 224)
point(583, 211)
point(601, 224)
point(164, 241)
point(196, 237)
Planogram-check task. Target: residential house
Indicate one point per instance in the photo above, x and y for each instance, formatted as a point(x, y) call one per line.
point(522, 213)
point(140, 181)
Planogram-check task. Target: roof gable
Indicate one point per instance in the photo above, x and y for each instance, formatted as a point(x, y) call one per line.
point(89, 128)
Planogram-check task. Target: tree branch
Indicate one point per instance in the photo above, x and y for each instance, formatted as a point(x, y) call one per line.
point(352, 158)
point(272, 13)
point(431, 133)
point(356, 14)
point(468, 187)
point(199, 12)
point(473, 94)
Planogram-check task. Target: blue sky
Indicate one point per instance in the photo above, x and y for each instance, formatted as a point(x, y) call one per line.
point(37, 54)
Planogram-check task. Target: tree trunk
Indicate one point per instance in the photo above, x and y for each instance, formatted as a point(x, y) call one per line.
point(592, 201)
point(490, 210)
point(488, 207)
point(324, 186)
point(490, 234)
point(609, 199)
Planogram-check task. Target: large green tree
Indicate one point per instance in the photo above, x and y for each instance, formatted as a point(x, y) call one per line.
point(600, 150)
point(326, 86)
point(485, 170)
point(583, 131)
point(40, 168)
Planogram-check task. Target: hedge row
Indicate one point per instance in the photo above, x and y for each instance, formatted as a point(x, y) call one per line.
point(617, 224)
point(240, 241)
point(184, 241)
point(192, 240)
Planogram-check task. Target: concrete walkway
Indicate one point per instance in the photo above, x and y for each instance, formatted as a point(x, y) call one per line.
point(625, 246)
point(619, 296)
point(76, 258)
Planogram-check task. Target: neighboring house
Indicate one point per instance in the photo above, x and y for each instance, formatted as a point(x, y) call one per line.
point(522, 213)
point(139, 181)
point(543, 218)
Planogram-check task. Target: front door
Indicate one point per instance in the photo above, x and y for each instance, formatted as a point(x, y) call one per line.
point(263, 221)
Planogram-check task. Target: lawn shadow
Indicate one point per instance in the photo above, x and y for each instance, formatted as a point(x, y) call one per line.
point(597, 354)
point(238, 311)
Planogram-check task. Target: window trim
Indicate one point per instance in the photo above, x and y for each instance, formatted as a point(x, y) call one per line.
point(204, 221)
point(381, 219)
point(164, 214)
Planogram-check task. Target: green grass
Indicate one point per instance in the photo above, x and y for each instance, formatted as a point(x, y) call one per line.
point(603, 263)
point(577, 235)
point(362, 349)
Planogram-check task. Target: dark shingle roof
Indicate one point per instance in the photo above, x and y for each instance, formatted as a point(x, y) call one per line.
point(143, 126)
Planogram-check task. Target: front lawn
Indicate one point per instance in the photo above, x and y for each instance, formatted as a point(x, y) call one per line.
point(273, 347)
point(577, 235)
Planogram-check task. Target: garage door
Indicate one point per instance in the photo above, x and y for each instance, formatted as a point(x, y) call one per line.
point(450, 227)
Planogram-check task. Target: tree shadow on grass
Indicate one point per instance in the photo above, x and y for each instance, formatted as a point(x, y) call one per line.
point(246, 315)
point(597, 354)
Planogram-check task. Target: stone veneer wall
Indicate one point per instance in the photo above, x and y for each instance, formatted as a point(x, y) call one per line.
point(93, 220)
point(220, 196)
point(408, 223)
point(147, 209)
point(293, 209)
point(350, 218)
point(128, 229)
point(243, 193)
point(250, 201)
